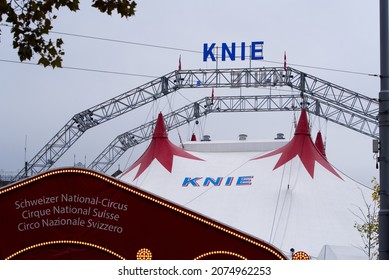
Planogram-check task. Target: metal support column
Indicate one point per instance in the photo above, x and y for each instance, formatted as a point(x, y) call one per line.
point(383, 122)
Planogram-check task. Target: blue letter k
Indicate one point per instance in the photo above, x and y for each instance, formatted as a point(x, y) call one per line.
point(192, 181)
point(208, 51)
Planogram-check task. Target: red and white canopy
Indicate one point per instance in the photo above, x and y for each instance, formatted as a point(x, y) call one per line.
point(283, 192)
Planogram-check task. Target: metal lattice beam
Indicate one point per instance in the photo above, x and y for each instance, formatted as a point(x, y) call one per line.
point(345, 100)
point(224, 104)
point(94, 116)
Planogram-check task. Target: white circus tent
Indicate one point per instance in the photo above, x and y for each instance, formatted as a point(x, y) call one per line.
point(283, 192)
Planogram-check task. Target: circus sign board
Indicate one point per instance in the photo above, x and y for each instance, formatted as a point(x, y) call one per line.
point(232, 51)
point(63, 207)
point(74, 213)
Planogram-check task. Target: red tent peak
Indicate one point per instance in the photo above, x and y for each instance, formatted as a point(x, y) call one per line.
point(301, 145)
point(160, 129)
point(320, 144)
point(160, 149)
point(303, 124)
point(193, 138)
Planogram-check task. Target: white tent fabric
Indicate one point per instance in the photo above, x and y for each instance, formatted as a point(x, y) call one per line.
point(286, 207)
point(330, 252)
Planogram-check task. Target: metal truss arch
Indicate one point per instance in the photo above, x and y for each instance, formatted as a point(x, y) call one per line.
point(347, 107)
point(224, 104)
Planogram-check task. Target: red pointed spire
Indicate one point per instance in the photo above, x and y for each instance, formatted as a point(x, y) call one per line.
point(193, 138)
point(160, 149)
point(301, 145)
point(160, 129)
point(303, 124)
point(320, 144)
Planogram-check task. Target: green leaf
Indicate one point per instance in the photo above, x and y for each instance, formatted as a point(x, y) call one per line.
point(31, 20)
point(59, 43)
point(44, 61)
point(57, 62)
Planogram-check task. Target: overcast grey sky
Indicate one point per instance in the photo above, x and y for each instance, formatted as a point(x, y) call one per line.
point(36, 102)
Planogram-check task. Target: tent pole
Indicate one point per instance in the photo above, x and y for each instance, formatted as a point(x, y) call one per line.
point(383, 122)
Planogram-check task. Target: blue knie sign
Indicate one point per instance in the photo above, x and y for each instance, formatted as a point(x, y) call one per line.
point(255, 51)
point(218, 181)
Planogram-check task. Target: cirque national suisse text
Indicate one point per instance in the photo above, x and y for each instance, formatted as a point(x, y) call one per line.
point(91, 212)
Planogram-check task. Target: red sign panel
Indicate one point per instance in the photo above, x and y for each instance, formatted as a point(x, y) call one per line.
point(81, 214)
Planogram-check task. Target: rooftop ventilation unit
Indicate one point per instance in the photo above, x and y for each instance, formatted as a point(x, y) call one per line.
point(280, 136)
